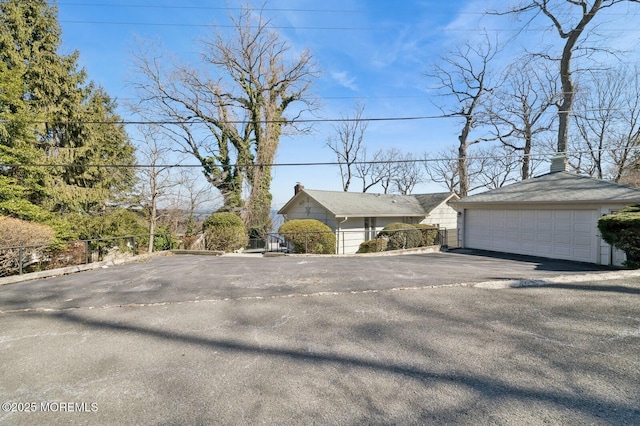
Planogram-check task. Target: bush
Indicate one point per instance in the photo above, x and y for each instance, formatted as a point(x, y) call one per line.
point(622, 230)
point(17, 233)
point(164, 239)
point(309, 236)
point(429, 234)
point(224, 231)
point(401, 236)
point(373, 246)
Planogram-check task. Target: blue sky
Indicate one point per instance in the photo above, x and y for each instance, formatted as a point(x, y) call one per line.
point(372, 52)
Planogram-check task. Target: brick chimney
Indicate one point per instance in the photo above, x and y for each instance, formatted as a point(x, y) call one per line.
point(299, 187)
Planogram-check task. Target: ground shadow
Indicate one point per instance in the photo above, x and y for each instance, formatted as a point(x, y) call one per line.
point(542, 263)
point(493, 389)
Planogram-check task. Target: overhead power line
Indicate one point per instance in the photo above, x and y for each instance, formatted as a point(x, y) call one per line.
point(290, 27)
point(516, 156)
point(269, 9)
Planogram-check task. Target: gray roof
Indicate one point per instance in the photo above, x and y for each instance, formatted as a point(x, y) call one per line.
point(561, 187)
point(358, 204)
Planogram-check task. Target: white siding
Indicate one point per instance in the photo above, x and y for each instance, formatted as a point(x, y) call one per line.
point(307, 208)
point(352, 232)
point(445, 217)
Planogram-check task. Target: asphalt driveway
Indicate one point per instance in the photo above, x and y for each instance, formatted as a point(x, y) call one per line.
point(186, 277)
point(307, 340)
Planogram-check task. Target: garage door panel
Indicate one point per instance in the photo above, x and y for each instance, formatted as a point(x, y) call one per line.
point(582, 227)
point(544, 226)
point(561, 234)
point(583, 215)
point(584, 254)
point(562, 239)
point(545, 237)
point(544, 214)
point(583, 241)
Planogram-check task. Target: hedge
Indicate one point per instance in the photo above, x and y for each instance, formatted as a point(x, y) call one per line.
point(309, 236)
point(224, 231)
point(622, 230)
point(401, 236)
point(429, 234)
point(373, 246)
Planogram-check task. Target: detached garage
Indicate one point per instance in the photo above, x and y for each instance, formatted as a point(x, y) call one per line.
point(554, 216)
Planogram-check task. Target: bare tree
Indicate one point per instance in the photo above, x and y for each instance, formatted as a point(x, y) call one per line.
point(608, 123)
point(387, 167)
point(191, 195)
point(407, 173)
point(443, 168)
point(487, 167)
point(493, 167)
point(371, 171)
point(465, 77)
point(231, 117)
point(627, 138)
point(155, 177)
point(347, 144)
point(519, 106)
point(570, 20)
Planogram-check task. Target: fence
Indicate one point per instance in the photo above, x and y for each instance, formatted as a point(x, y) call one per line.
point(23, 259)
point(346, 241)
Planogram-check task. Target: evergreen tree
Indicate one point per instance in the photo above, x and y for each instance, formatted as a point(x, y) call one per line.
point(50, 115)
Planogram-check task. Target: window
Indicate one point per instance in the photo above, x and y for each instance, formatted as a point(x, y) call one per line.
point(369, 228)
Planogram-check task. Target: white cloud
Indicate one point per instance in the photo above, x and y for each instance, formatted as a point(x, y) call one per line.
point(344, 79)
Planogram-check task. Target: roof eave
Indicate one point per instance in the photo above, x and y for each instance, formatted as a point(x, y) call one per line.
point(600, 201)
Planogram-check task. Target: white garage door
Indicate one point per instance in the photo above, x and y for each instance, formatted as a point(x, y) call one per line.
point(558, 234)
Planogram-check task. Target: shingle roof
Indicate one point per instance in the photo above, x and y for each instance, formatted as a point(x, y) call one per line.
point(358, 204)
point(561, 187)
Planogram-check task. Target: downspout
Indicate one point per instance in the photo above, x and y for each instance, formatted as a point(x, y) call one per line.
point(338, 236)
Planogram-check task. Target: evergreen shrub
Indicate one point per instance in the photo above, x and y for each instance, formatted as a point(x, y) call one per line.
point(373, 246)
point(622, 230)
point(309, 236)
point(224, 231)
point(401, 236)
point(429, 234)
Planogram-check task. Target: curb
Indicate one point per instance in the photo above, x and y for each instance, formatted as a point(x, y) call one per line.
point(13, 279)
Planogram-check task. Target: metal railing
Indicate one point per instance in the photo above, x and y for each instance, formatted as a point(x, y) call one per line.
point(346, 241)
point(18, 260)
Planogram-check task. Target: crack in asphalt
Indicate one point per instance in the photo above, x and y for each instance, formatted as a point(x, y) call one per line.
point(488, 285)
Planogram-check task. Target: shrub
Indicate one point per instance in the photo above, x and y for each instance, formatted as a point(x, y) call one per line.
point(400, 236)
point(16, 233)
point(309, 236)
point(224, 231)
point(164, 239)
point(373, 246)
point(429, 234)
point(622, 230)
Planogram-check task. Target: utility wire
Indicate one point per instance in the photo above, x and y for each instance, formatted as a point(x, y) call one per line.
point(288, 27)
point(286, 121)
point(327, 163)
point(225, 8)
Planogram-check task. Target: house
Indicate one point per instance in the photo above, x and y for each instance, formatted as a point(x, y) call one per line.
point(554, 215)
point(357, 217)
